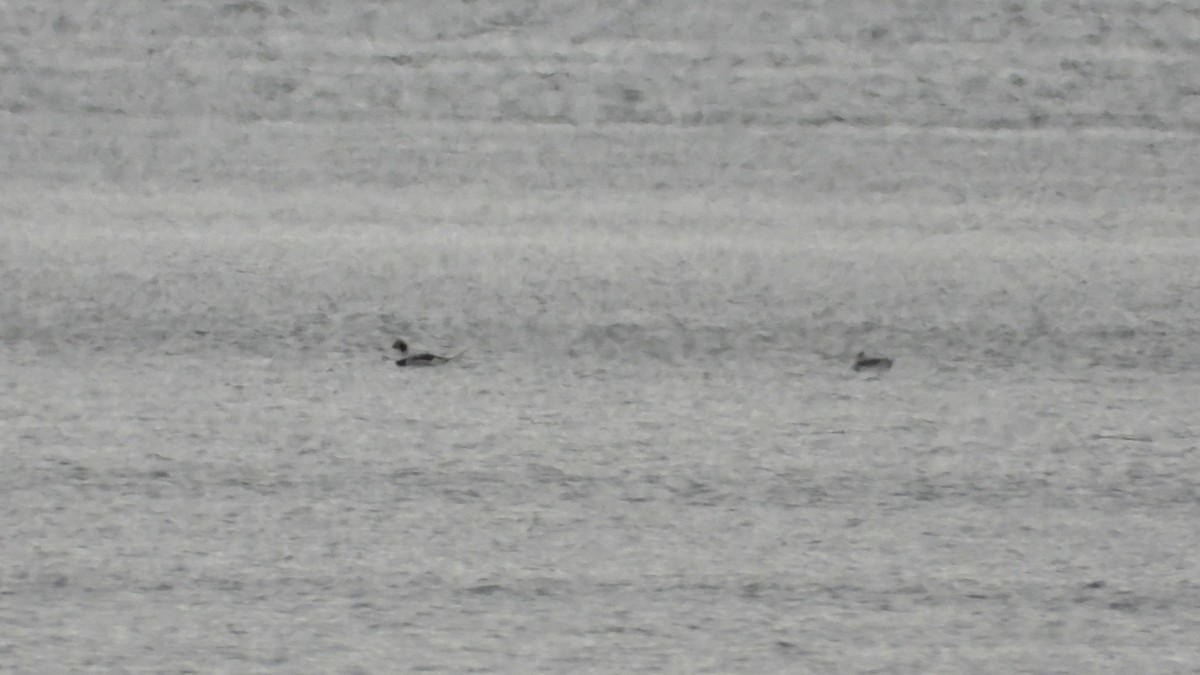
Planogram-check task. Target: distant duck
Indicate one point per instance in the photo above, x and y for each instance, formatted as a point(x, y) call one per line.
point(422, 359)
point(864, 362)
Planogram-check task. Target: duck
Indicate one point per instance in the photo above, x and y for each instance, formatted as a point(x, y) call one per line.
point(422, 359)
point(864, 362)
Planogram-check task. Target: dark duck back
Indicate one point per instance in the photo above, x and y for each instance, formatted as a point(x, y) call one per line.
point(864, 362)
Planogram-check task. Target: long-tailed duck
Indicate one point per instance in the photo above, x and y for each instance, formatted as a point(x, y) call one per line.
point(864, 362)
point(422, 359)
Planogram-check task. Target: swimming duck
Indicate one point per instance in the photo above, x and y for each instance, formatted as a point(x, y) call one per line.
point(422, 359)
point(864, 362)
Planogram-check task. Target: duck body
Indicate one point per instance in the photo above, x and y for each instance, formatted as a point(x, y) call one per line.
point(422, 360)
point(864, 362)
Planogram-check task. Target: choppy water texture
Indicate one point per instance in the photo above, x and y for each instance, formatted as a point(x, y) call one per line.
point(661, 251)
